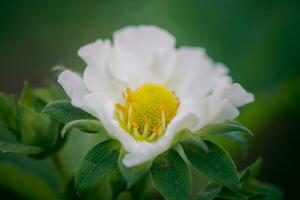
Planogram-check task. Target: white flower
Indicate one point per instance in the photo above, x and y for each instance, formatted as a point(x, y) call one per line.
point(144, 90)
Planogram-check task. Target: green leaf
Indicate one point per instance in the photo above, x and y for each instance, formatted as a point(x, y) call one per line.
point(132, 174)
point(223, 128)
point(255, 189)
point(64, 112)
point(103, 191)
point(100, 162)
point(186, 136)
point(210, 192)
point(270, 191)
point(14, 147)
point(239, 139)
point(232, 140)
point(216, 165)
point(171, 176)
point(24, 183)
point(84, 125)
point(252, 171)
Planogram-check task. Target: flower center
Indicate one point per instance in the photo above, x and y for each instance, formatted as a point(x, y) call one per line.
point(147, 111)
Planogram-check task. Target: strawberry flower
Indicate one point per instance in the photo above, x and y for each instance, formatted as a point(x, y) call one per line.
point(145, 91)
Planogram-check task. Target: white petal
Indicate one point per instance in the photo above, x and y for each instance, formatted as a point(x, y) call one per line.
point(96, 76)
point(144, 54)
point(221, 110)
point(195, 74)
point(102, 82)
point(105, 108)
point(95, 53)
point(73, 85)
point(238, 96)
point(143, 42)
point(222, 77)
point(222, 104)
point(133, 159)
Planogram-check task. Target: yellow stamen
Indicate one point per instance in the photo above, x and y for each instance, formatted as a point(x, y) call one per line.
point(136, 133)
point(120, 112)
point(147, 111)
point(163, 120)
point(129, 118)
point(152, 137)
point(145, 132)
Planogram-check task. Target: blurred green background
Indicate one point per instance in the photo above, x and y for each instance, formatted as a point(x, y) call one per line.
point(257, 39)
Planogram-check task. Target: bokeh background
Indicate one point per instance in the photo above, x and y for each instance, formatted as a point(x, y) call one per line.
point(259, 40)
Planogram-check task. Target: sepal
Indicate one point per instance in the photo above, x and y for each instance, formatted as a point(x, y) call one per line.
point(171, 176)
point(63, 111)
point(216, 165)
point(97, 165)
point(85, 125)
